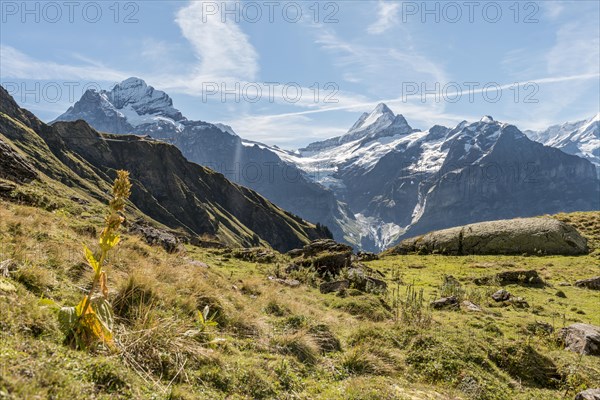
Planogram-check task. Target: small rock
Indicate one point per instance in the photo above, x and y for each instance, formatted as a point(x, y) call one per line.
point(328, 287)
point(518, 302)
point(591, 283)
point(445, 302)
point(560, 294)
point(564, 284)
point(286, 282)
point(590, 394)
point(582, 338)
point(501, 295)
point(524, 277)
point(471, 306)
point(295, 253)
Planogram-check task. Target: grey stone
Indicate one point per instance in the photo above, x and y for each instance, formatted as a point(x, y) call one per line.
point(336, 286)
point(155, 236)
point(590, 283)
point(286, 282)
point(582, 338)
point(518, 302)
point(445, 302)
point(590, 394)
point(501, 295)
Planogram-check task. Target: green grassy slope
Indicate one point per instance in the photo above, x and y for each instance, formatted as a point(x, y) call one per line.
point(275, 341)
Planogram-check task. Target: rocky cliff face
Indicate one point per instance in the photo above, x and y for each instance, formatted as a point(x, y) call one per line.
point(166, 187)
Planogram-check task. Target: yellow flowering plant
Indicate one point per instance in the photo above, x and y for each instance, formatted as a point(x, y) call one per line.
point(90, 322)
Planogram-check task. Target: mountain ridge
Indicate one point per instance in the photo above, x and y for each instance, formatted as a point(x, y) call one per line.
point(167, 188)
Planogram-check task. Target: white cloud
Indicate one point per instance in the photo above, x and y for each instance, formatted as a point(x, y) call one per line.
point(387, 17)
point(224, 50)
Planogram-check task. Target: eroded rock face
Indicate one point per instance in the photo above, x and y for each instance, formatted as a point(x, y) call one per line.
point(534, 236)
point(582, 339)
point(591, 283)
point(330, 259)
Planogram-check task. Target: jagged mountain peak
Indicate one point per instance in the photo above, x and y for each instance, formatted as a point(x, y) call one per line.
point(131, 106)
point(381, 116)
point(380, 122)
point(383, 108)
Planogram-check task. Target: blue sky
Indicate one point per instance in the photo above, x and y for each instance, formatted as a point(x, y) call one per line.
point(357, 53)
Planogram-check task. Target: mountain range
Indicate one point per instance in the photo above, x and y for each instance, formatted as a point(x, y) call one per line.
point(73, 159)
point(581, 138)
point(383, 180)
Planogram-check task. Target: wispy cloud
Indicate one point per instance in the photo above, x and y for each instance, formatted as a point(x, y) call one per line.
point(18, 65)
point(387, 17)
point(379, 66)
point(223, 49)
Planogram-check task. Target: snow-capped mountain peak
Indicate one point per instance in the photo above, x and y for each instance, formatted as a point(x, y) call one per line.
point(381, 122)
point(129, 105)
point(487, 119)
point(143, 99)
point(581, 138)
point(380, 117)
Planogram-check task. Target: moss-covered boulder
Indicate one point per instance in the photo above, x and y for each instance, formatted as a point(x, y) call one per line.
point(533, 236)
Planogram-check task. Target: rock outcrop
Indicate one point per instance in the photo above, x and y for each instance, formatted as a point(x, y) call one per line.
point(155, 236)
point(533, 236)
point(590, 283)
point(329, 259)
point(582, 338)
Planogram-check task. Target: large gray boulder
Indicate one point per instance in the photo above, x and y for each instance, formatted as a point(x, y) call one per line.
point(514, 236)
point(582, 338)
